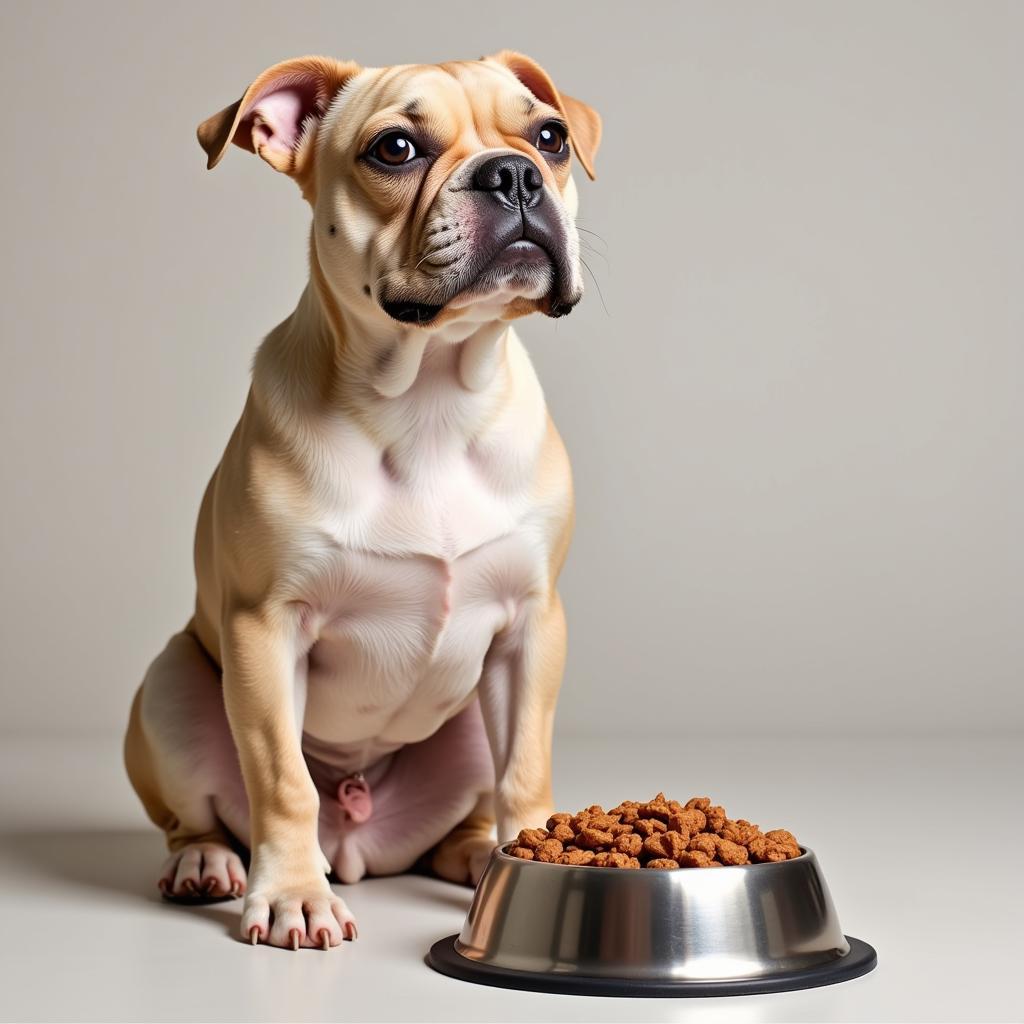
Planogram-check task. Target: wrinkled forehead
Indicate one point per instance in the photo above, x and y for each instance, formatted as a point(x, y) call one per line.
point(473, 103)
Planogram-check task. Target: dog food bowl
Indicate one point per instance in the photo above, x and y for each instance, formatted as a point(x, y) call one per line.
point(687, 932)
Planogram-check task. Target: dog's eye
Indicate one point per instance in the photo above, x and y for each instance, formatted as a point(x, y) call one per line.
point(551, 138)
point(394, 149)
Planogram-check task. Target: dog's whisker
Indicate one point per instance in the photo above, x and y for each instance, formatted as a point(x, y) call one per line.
point(597, 284)
point(595, 252)
point(419, 263)
point(593, 234)
point(383, 277)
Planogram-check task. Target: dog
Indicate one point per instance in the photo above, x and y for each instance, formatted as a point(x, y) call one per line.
point(369, 677)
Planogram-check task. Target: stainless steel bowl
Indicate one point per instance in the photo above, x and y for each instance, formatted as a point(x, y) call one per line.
point(692, 931)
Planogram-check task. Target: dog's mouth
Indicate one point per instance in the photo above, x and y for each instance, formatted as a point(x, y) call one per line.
point(410, 312)
point(520, 264)
point(521, 253)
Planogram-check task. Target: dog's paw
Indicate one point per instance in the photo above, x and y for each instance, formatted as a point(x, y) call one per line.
point(462, 856)
point(305, 915)
point(202, 872)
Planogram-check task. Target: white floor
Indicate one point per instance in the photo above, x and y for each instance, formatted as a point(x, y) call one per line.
point(920, 842)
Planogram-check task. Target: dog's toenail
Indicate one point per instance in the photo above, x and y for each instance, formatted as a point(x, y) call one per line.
point(295, 937)
point(350, 931)
point(325, 939)
point(254, 934)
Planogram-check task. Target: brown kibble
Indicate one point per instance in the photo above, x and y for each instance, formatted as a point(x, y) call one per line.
point(731, 853)
point(774, 846)
point(688, 822)
point(757, 847)
point(648, 826)
point(705, 843)
point(576, 858)
point(549, 851)
point(694, 859)
point(656, 808)
point(652, 846)
point(592, 838)
point(531, 838)
point(784, 838)
point(665, 844)
point(784, 841)
point(562, 832)
point(741, 831)
point(612, 859)
point(658, 833)
point(674, 843)
point(715, 818)
point(631, 844)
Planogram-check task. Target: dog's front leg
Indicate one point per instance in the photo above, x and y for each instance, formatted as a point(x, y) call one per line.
point(288, 902)
point(518, 691)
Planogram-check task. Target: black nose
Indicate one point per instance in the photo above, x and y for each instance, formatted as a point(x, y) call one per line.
point(512, 180)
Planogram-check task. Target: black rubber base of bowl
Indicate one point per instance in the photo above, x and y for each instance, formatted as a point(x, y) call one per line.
point(444, 959)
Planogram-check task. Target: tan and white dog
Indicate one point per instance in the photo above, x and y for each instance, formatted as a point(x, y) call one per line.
point(377, 645)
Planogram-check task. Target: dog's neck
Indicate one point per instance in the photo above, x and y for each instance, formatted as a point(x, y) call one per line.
point(390, 358)
point(399, 381)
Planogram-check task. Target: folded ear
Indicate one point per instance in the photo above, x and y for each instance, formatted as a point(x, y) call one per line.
point(584, 122)
point(278, 114)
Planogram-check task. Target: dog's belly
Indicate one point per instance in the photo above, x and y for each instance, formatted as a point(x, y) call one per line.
point(402, 641)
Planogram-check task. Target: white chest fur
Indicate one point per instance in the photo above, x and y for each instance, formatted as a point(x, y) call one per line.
point(427, 539)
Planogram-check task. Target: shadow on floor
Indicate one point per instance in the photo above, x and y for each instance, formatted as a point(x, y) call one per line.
point(123, 864)
point(119, 864)
point(112, 861)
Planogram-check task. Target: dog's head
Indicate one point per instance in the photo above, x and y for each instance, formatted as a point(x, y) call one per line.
point(440, 193)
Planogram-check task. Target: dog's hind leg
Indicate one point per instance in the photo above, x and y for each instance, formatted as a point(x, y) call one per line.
point(182, 763)
point(436, 797)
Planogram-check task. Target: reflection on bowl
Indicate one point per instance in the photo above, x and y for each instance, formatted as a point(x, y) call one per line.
point(691, 931)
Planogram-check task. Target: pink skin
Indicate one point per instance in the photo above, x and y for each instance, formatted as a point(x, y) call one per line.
point(354, 798)
point(380, 825)
point(276, 118)
point(420, 793)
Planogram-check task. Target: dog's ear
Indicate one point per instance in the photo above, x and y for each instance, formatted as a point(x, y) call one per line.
point(278, 114)
point(584, 122)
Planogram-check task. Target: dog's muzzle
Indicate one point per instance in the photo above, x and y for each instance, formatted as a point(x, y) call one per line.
point(518, 227)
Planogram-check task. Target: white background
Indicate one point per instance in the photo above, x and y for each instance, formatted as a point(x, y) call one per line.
point(794, 420)
point(795, 424)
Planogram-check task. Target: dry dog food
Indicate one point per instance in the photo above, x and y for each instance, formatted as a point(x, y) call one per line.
point(660, 834)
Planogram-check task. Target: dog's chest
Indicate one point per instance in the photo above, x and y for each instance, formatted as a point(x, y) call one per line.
point(432, 556)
